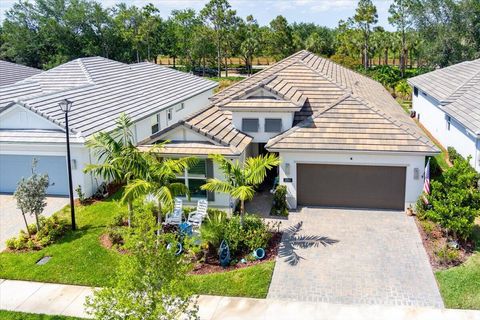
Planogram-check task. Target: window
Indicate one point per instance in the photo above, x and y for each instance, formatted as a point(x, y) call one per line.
point(194, 178)
point(155, 123)
point(169, 114)
point(250, 125)
point(180, 107)
point(273, 125)
point(415, 91)
point(448, 122)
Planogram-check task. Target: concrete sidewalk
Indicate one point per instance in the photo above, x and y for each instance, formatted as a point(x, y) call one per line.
point(57, 299)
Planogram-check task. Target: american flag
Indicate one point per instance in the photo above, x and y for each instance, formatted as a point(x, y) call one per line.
point(426, 184)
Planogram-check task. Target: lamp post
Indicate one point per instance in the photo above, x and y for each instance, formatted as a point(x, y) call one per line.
point(66, 106)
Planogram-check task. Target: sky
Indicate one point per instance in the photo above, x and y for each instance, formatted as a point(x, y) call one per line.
point(322, 12)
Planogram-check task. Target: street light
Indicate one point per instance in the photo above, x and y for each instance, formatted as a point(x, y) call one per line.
point(66, 106)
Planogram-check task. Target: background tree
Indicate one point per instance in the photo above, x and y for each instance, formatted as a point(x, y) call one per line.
point(150, 281)
point(280, 38)
point(185, 23)
point(218, 14)
point(400, 18)
point(365, 17)
point(31, 195)
point(241, 179)
point(250, 44)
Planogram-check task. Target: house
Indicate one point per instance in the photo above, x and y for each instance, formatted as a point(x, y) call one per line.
point(13, 72)
point(342, 138)
point(33, 126)
point(447, 103)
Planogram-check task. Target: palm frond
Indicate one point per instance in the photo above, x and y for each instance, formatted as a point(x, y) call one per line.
point(256, 167)
point(217, 185)
point(138, 188)
point(105, 170)
point(243, 192)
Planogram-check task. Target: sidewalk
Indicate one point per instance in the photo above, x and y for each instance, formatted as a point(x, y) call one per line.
point(68, 300)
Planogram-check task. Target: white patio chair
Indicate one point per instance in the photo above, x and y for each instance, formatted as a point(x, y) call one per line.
point(176, 216)
point(196, 217)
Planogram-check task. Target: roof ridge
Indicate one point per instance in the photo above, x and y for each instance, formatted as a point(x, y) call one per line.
point(391, 119)
point(294, 58)
point(85, 70)
point(465, 87)
point(299, 125)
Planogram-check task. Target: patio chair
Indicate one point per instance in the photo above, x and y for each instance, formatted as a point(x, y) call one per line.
point(196, 217)
point(176, 216)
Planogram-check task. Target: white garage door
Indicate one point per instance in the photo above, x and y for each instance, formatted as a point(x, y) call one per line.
point(14, 167)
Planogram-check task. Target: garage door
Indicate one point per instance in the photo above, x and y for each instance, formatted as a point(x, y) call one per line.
point(14, 167)
point(351, 186)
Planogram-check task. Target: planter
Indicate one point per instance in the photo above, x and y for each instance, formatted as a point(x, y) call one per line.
point(259, 253)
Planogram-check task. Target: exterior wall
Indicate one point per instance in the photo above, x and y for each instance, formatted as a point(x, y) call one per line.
point(184, 134)
point(435, 121)
point(142, 128)
point(262, 136)
point(79, 154)
point(18, 117)
point(413, 187)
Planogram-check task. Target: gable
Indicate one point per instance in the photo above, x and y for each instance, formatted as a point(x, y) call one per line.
point(183, 134)
point(17, 117)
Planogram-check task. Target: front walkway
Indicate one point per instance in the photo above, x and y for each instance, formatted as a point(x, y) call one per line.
point(362, 257)
point(58, 299)
point(11, 220)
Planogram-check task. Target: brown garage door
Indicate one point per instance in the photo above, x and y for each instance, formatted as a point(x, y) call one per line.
point(351, 186)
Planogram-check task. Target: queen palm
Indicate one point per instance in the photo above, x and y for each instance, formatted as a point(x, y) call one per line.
point(119, 159)
point(241, 178)
point(159, 181)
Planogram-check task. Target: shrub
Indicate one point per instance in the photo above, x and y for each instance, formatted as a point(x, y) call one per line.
point(80, 194)
point(10, 243)
point(455, 201)
point(446, 255)
point(120, 219)
point(116, 236)
point(213, 229)
point(256, 234)
point(279, 206)
point(453, 155)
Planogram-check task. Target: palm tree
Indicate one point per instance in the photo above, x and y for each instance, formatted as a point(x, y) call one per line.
point(159, 181)
point(241, 179)
point(404, 89)
point(119, 159)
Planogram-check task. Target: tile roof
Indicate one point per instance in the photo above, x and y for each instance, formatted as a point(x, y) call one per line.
point(13, 72)
point(101, 89)
point(457, 88)
point(339, 110)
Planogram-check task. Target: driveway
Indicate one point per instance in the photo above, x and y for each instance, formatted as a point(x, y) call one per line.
point(361, 257)
point(11, 220)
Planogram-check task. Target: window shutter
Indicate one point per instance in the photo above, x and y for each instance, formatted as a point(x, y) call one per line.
point(210, 195)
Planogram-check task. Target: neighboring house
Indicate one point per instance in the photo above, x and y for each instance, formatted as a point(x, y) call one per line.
point(342, 138)
point(32, 124)
point(447, 103)
point(11, 73)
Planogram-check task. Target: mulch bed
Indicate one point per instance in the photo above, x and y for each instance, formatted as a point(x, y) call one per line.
point(212, 264)
point(436, 239)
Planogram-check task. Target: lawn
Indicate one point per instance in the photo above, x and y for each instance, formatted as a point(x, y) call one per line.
point(11, 315)
point(80, 259)
point(460, 286)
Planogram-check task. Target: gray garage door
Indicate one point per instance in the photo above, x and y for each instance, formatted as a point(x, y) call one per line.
point(351, 186)
point(14, 167)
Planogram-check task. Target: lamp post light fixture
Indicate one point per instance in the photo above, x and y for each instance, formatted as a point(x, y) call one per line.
point(66, 106)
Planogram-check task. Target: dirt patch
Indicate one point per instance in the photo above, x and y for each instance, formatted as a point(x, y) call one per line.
point(212, 264)
point(434, 240)
point(107, 243)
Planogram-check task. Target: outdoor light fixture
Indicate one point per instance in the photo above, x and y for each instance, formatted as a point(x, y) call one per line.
point(66, 107)
point(287, 168)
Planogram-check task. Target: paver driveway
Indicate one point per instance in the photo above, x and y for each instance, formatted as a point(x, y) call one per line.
point(378, 259)
point(11, 220)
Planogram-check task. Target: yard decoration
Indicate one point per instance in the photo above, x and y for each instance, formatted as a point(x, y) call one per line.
point(259, 254)
point(224, 254)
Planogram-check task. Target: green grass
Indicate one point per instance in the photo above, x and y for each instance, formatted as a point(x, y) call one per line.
point(12, 315)
point(460, 286)
point(78, 258)
point(247, 282)
point(232, 79)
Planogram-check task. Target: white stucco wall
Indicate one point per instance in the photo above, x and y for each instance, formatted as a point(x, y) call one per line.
point(435, 121)
point(143, 129)
point(261, 136)
point(413, 187)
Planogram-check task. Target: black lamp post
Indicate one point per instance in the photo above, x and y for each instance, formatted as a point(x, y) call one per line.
point(66, 106)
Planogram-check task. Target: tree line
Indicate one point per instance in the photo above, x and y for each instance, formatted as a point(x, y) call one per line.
point(46, 33)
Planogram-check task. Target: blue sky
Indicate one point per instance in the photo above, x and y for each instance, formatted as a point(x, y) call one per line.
point(322, 12)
